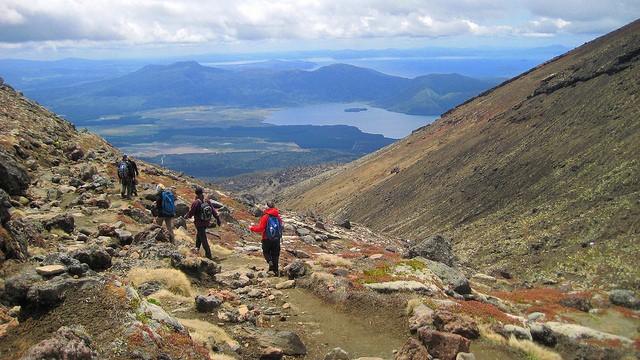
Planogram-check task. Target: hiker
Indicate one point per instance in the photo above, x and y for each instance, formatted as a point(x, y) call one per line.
point(134, 175)
point(202, 211)
point(165, 209)
point(125, 175)
point(271, 228)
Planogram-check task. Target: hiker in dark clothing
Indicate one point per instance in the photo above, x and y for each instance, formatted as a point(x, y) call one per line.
point(270, 247)
point(134, 174)
point(161, 216)
point(125, 175)
point(202, 220)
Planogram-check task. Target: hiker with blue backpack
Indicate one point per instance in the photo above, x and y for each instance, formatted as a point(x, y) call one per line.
point(270, 226)
point(165, 209)
point(126, 175)
point(202, 211)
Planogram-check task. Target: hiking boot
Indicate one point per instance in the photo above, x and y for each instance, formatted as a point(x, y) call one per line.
point(195, 250)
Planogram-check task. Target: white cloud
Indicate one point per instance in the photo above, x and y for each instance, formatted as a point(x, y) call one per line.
point(152, 22)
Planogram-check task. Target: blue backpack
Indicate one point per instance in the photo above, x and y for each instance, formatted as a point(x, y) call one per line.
point(274, 228)
point(123, 170)
point(168, 204)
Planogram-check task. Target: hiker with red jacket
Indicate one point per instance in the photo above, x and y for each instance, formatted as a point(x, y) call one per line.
point(202, 211)
point(270, 226)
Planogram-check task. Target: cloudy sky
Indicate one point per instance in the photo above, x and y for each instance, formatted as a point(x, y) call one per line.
point(51, 29)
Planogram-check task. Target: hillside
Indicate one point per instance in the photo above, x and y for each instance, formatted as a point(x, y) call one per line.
point(86, 274)
point(538, 177)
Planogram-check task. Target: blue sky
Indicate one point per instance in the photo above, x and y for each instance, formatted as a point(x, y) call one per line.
point(54, 29)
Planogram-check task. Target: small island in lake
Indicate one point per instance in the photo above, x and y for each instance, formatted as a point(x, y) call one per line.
point(355, 109)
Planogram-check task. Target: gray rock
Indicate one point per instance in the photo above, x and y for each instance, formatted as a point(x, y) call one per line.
point(69, 342)
point(337, 354)
point(295, 270)
point(16, 287)
point(5, 204)
point(288, 341)
point(542, 334)
point(201, 268)
point(14, 178)
point(465, 356)
point(150, 287)
point(93, 255)
point(436, 248)
point(449, 276)
point(345, 224)
point(124, 237)
point(624, 298)
point(21, 233)
point(63, 222)
point(575, 302)
point(207, 303)
point(182, 208)
point(138, 215)
point(399, 286)
point(151, 235)
point(579, 333)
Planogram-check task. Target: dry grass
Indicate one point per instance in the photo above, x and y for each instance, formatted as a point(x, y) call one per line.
point(532, 350)
point(166, 296)
point(175, 281)
point(412, 304)
point(328, 260)
point(203, 333)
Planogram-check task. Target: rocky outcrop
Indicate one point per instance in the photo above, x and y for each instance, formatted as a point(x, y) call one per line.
point(14, 178)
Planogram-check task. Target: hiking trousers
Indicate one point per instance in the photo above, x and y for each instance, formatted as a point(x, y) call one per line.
point(201, 239)
point(271, 253)
point(127, 188)
point(169, 222)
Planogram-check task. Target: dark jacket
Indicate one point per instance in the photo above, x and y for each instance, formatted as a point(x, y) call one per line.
point(262, 227)
point(195, 211)
point(133, 168)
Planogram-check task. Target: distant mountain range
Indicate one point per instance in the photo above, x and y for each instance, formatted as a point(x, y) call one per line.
point(188, 83)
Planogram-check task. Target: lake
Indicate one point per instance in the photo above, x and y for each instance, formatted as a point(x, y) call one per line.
point(373, 120)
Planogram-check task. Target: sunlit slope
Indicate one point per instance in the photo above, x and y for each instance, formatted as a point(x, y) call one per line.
point(539, 177)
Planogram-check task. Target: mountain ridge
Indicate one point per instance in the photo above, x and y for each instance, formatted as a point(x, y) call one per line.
point(189, 84)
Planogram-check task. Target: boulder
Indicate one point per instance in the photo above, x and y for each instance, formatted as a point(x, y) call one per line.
point(207, 303)
point(543, 335)
point(14, 178)
point(624, 298)
point(69, 342)
point(182, 208)
point(337, 354)
point(456, 324)
point(63, 222)
point(93, 255)
point(442, 345)
point(295, 270)
point(5, 205)
point(152, 234)
point(138, 215)
point(576, 302)
point(413, 350)
point(345, 224)
point(288, 341)
point(451, 278)
point(436, 248)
